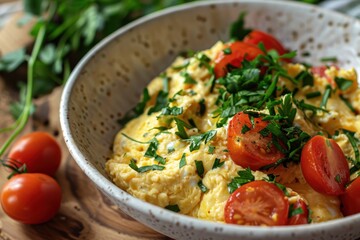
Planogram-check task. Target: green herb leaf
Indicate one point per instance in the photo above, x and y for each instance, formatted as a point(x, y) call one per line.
point(11, 61)
point(172, 111)
point(244, 176)
point(174, 208)
point(195, 141)
point(211, 149)
point(182, 162)
point(144, 168)
point(199, 168)
point(217, 163)
point(326, 96)
point(188, 78)
point(161, 102)
point(202, 187)
point(343, 84)
point(237, 29)
point(181, 125)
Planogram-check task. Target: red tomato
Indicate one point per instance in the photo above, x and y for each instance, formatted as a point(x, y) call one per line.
point(270, 42)
point(31, 198)
point(249, 148)
point(257, 203)
point(350, 200)
point(239, 52)
point(324, 166)
point(299, 218)
point(39, 151)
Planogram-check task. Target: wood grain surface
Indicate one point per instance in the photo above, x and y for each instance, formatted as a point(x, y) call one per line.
point(85, 213)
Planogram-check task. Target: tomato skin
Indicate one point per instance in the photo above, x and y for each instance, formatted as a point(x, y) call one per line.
point(39, 151)
point(250, 149)
point(270, 42)
point(31, 198)
point(324, 166)
point(257, 203)
point(239, 52)
point(350, 200)
point(301, 218)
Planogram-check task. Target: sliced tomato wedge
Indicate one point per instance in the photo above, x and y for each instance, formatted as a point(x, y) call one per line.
point(299, 213)
point(257, 203)
point(350, 200)
point(324, 166)
point(247, 147)
point(270, 42)
point(239, 52)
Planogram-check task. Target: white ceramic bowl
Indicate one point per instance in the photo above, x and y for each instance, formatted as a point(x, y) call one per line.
point(109, 80)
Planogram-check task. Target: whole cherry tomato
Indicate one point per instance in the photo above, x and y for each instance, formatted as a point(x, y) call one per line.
point(39, 151)
point(257, 203)
point(31, 198)
point(239, 52)
point(324, 166)
point(247, 147)
point(350, 200)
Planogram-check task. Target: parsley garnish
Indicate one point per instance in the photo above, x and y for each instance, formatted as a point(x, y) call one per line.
point(237, 29)
point(329, 59)
point(199, 168)
point(227, 51)
point(202, 187)
point(188, 78)
point(343, 84)
point(211, 149)
point(151, 151)
point(144, 168)
point(161, 102)
point(306, 77)
point(137, 110)
point(181, 125)
point(195, 141)
point(312, 94)
point(326, 96)
point(182, 161)
point(173, 111)
point(295, 211)
point(217, 163)
point(174, 208)
point(244, 176)
point(355, 142)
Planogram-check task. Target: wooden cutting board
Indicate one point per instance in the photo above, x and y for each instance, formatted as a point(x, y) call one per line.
point(85, 213)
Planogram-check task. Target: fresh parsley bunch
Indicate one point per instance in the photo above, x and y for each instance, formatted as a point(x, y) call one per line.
point(64, 31)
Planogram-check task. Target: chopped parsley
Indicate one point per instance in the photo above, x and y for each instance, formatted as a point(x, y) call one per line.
point(295, 211)
point(195, 141)
point(172, 111)
point(151, 151)
point(137, 110)
point(244, 176)
point(202, 187)
point(326, 96)
point(329, 59)
point(144, 168)
point(161, 102)
point(174, 208)
point(211, 149)
point(181, 125)
point(217, 163)
point(343, 83)
point(237, 29)
point(182, 162)
point(313, 94)
point(188, 78)
point(199, 168)
point(227, 51)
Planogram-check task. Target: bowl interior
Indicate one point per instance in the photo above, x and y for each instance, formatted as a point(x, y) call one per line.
point(109, 80)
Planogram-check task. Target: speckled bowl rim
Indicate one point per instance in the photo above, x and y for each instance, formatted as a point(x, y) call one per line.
point(111, 189)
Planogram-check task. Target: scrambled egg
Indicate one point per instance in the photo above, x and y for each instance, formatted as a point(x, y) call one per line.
point(181, 186)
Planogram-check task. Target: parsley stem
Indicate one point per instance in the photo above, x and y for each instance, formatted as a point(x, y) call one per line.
point(24, 117)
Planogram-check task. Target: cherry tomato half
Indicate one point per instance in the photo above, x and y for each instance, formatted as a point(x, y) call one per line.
point(239, 52)
point(301, 213)
point(257, 203)
point(31, 198)
point(247, 147)
point(270, 42)
point(350, 200)
point(324, 166)
point(39, 151)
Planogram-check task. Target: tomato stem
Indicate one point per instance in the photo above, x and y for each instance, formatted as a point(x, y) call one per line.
point(24, 117)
